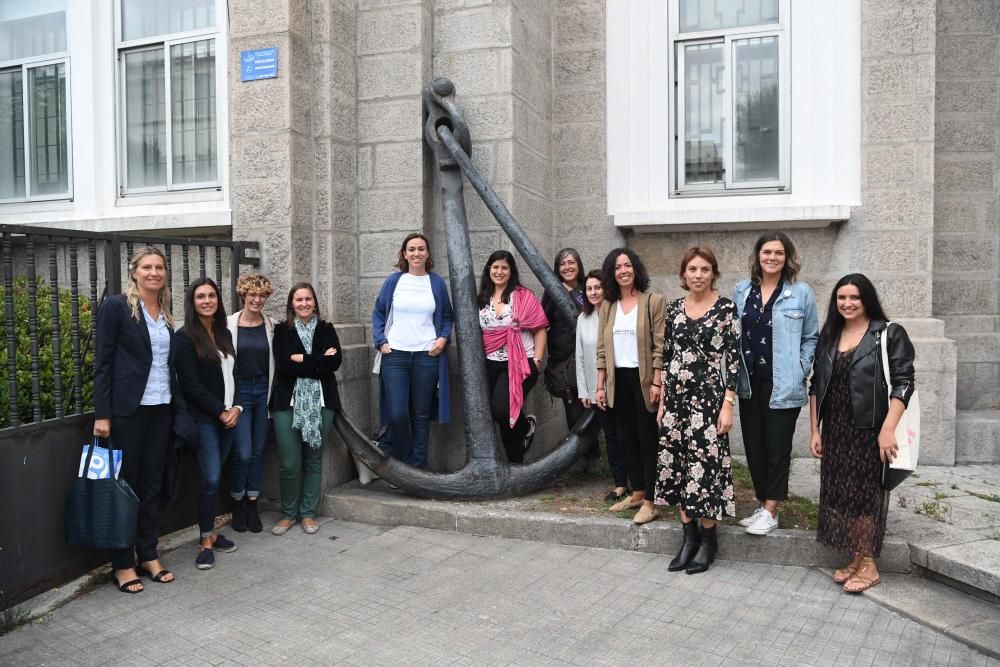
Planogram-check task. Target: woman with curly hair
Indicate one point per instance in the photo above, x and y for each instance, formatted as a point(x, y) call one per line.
point(253, 337)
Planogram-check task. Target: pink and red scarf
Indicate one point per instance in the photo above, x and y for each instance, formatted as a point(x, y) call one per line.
point(527, 315)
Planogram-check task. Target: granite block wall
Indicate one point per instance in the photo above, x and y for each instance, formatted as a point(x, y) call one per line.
point(329, 170)
point(966, 204)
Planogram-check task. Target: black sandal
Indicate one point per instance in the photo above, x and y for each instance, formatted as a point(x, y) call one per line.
point(158, 577)
point(124, 588)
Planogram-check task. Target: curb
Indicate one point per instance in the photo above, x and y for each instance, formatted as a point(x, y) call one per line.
point(782, 547)
point(44, 604)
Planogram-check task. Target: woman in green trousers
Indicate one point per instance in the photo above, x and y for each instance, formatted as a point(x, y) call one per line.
point(304, 399)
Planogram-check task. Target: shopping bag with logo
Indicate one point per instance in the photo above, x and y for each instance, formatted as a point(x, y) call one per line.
point(101, 508)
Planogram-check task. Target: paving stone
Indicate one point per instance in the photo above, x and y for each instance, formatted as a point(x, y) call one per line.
point(415, 596)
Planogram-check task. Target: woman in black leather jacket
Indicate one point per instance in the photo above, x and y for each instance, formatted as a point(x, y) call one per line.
point(859, 413)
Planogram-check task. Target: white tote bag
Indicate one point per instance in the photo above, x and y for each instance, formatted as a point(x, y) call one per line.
point(907, 430)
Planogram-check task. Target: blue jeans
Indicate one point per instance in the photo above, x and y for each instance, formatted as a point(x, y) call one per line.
point(249, 436)
point(409, 381)
point(213, 448)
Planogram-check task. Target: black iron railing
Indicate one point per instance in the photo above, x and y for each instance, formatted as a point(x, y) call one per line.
point(48, 326)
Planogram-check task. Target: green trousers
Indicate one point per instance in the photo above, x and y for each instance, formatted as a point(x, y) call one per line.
point(301, 466)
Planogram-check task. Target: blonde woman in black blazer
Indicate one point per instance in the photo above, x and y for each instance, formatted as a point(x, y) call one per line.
point(133, 390)
point(206, 368)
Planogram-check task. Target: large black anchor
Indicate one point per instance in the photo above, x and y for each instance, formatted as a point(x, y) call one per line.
point(484, 474)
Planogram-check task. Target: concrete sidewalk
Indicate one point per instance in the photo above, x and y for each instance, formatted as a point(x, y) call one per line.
point(357, 594)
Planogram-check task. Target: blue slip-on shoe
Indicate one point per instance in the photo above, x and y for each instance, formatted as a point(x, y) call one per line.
point(223, 544)
point(205, 559)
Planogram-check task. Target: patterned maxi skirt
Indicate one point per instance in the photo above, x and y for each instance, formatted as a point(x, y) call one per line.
point(852, 503)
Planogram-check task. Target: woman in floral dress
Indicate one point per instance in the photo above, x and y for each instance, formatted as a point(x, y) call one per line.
point(701, 362)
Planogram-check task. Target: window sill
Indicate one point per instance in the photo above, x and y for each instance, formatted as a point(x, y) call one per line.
point(732, 219)
point(174, 197)
point(37, 206)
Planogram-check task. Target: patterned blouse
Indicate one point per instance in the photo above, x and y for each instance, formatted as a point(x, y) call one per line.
point(756, 339)
point(488, 319)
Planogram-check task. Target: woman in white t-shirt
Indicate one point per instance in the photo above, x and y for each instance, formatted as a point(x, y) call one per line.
point(629, 365)
point(411, 323)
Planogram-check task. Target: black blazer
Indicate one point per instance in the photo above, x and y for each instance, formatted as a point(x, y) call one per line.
point(315, 365)
point(123, 356)
point(869, 393)
point(201, 381)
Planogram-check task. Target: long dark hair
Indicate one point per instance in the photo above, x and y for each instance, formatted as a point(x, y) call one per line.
point(611, 290)
point(404, 265)
point(792, 262)
point(563, 254)
point(486, 287)
point(588, 307)
point(290, 312)
point(835, 321)
point(204, 346)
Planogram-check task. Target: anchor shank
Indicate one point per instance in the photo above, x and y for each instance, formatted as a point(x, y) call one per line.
point(513, 230)
point(479, 432)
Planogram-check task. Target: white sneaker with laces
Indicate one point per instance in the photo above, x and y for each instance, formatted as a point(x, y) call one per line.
point(763, 524)
point(746, 521)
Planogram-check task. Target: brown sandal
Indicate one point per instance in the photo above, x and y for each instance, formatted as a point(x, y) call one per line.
point(844, 574)
point(861, 582)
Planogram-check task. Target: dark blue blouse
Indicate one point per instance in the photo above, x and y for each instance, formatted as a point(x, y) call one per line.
point(756, 339)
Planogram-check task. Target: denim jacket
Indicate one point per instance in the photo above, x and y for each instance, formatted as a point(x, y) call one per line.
point(795, 327)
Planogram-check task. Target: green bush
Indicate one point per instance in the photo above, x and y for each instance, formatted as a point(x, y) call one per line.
point(45, 355)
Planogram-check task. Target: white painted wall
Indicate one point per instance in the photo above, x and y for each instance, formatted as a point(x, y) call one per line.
point(825, 168)
point(96, 205)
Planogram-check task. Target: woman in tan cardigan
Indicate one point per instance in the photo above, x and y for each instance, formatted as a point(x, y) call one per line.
point(629, 361)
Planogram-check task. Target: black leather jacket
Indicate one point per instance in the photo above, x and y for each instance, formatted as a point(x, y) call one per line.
point(869, 394)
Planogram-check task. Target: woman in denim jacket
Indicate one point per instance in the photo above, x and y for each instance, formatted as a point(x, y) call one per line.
point(779, 330)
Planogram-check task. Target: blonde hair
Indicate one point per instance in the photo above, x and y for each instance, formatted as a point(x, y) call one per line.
point(254, 282)
point(132, 288)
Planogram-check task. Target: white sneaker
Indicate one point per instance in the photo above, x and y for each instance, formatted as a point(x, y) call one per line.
point(750, 519)
point(763, 524)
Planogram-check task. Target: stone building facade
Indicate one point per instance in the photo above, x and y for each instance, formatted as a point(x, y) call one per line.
point(326, 168)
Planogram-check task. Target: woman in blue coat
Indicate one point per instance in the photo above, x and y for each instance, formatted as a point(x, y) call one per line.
point(778, 333)
point(411, 323)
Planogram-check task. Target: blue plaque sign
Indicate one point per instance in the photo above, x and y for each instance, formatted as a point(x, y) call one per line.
point(258, 64)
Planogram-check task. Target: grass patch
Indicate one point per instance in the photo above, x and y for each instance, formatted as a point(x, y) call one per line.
point(931, 484)
point(990, 497)
point(11, 616)
point(581, 493)
point(934, 509)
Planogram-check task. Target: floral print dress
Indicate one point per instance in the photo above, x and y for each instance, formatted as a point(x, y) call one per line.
point(701, 361)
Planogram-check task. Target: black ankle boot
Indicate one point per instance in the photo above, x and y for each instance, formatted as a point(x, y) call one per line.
point(240, 515)
point(253, 516)
point(706, 553)
point(692, 540)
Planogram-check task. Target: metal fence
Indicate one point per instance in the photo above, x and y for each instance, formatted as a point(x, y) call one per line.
point(53, 283)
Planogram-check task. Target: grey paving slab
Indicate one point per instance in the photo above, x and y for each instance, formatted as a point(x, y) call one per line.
point(357, 594)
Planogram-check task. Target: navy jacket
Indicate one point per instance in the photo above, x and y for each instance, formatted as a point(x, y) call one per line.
point(444, 319)
point(315, 365)
point(201, 381)
point(123, 356)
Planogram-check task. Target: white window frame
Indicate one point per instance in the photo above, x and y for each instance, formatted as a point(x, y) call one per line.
point(165, 41)
point(727, 37)
point(25, 64)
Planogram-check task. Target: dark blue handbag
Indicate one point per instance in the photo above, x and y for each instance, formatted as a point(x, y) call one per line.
point(101, 513)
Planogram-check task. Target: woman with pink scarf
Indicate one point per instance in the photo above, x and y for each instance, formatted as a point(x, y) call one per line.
point(514, 335)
